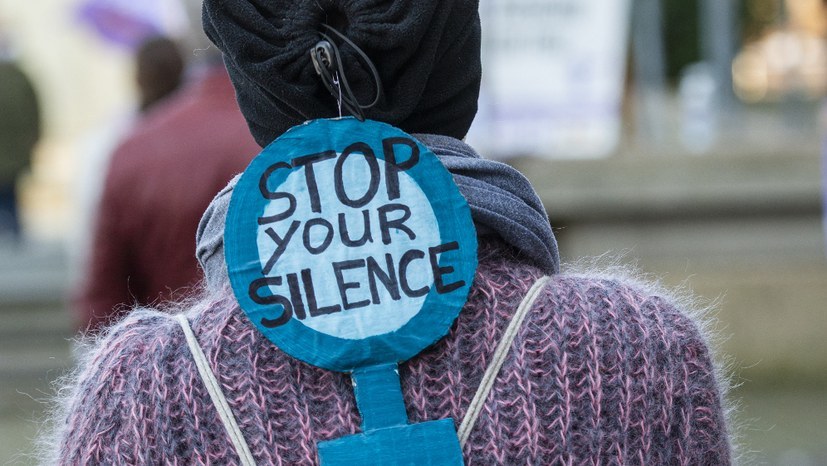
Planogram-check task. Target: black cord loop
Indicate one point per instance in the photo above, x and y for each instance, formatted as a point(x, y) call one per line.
point(327, 62)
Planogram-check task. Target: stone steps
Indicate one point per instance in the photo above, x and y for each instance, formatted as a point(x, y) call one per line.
point(35, 349)
point(36, 332)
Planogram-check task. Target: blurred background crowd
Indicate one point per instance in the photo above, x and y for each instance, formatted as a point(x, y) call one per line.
point(683, 137)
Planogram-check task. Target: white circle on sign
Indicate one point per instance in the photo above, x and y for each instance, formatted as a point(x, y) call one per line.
point(366, 272)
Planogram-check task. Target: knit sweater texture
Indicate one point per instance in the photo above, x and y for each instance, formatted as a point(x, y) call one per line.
point(601, 372)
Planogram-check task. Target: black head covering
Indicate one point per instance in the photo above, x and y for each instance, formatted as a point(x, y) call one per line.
point(427, 53)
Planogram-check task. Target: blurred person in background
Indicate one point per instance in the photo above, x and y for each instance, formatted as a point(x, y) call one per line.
point(160, 179)
point(19, 132)
point(605, 369)
point(159, 69)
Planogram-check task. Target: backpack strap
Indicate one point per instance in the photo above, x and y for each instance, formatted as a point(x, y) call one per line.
point(216, 395)
point(493, 369)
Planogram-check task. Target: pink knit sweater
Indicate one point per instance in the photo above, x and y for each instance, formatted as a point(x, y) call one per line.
point(601, 372)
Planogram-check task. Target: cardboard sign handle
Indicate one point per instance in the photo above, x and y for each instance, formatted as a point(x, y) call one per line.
point(379, 397)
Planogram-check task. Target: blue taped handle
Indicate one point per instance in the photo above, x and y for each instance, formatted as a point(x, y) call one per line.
point(432, 443)
point(379, 397)
point(386, 438)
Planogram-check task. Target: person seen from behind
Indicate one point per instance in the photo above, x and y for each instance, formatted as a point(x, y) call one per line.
point(605, 369)
point(158, 73)
point(160, 179)
point(19, 132)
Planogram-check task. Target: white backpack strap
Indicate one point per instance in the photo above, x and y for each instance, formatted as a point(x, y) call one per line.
point(497, 360)
point(216, 395)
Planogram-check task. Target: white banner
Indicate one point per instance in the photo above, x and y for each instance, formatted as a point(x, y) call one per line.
point(552, 77)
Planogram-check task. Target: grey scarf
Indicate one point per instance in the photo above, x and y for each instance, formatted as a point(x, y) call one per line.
point(501, 200)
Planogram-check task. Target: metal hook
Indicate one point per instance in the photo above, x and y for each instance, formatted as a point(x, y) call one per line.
point(322, 56)
point(339, 88)
point(327, 62)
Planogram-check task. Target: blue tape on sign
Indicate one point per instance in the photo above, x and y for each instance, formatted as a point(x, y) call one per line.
point(426, 443)
point(379, 397)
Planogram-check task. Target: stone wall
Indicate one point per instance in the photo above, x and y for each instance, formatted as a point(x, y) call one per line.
point(744, 231)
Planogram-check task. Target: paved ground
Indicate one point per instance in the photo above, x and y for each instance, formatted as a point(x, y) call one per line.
point(34, 341)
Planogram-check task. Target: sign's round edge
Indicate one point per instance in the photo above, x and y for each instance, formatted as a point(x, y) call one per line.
point(328, 351)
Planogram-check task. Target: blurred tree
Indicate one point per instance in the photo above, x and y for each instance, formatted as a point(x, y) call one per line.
point(758, 15)
point(682, 28)
point(681, 35)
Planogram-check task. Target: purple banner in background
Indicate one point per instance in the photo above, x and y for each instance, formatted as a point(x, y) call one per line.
point(127, 23)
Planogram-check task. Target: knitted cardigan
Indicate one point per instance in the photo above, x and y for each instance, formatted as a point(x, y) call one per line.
point(601, 372)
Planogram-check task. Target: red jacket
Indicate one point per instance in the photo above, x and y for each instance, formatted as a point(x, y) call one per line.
point(160, 180)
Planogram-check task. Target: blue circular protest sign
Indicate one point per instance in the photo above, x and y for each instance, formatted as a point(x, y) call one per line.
point(349, 245)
